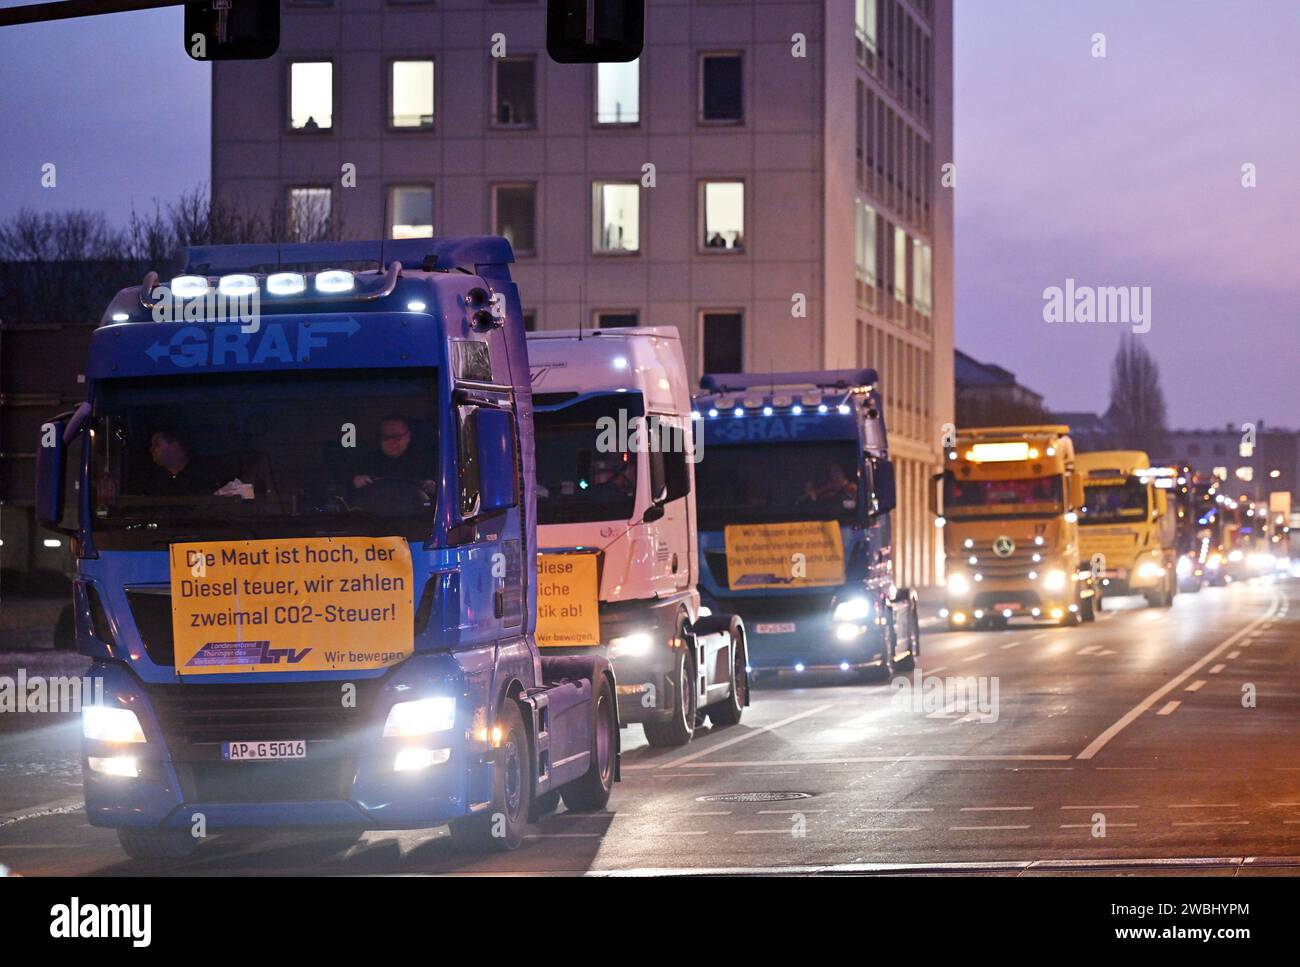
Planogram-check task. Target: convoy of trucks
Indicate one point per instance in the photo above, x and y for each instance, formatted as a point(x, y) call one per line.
point(617, 521)
point(1011, 498)
point(354, 553)
point(1129, 524)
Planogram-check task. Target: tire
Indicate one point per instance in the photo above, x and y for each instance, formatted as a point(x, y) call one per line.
point(885, 670)
point(544, 805)
point(502, 827)
point(157, 844)
point(680, 728)
point(914, 641)
point(1071, 619)
point(590, 793)
point(1088, 609)
point(730, 709)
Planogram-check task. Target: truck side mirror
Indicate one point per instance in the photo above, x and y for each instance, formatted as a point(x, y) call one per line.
point(51, 465)
point(882, 473)
point(594, 31)
point(494, 433)
point(677, 476)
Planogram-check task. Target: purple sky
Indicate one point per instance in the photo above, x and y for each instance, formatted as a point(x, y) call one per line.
point(1117, 171)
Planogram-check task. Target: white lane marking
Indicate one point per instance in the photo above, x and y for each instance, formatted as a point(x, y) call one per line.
point(1232, 654)
point(884, 829)
point(1196, 686)
point(1010, 644)
point(858, 759)
point(564, 836)
point(58, 807)
point(898, 809)
point(761, 730)
point(1204, 805)
point(981, 654)
point(709, 812)
point(762, 832)
point(994, 809)
point(935, 671)
point(1100, 807)
point(790, 812)
point(1090, 650)
point(1216, 822)
point(981, 828)
point(1109, 825)
point(1168, 709)
point(1217, 668)
point(1099, 743)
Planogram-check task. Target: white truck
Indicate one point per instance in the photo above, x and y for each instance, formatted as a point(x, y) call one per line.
point(618, 561)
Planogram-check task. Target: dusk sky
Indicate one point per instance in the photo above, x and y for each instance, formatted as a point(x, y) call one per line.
point(1116, 171)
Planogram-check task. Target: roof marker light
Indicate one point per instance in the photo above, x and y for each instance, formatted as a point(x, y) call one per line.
point(844, 409)
point(285, 283)
point(713, 412)
point(335, 280)
point(821, 408)
point(767, 411)
point(797, 410)
point(237, 285)
point(415, 305)
point(121, 316)
point(189, 286)
point(738, 411)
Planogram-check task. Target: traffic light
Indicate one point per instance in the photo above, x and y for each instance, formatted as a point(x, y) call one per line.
point(590, 31)
point(232, 29)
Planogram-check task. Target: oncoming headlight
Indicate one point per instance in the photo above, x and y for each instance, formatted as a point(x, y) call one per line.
point(855, 609)
point(1150, 569)
point(1054, 580)
point(637, 643)
point(420, 717)
point(1184, 566)
point(958, 584)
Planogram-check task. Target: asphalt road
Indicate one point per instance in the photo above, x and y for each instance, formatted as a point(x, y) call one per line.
point(1109, 747)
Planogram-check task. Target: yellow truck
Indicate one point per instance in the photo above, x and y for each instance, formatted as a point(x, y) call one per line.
point(1128, 524)
point(1011, 529)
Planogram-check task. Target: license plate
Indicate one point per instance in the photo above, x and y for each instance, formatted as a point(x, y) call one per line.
point(253, 751)
point(775, 628)
point(1007, 606)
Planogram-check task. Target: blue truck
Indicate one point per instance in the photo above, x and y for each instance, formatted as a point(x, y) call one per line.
point(304, 523)
point(795, 489)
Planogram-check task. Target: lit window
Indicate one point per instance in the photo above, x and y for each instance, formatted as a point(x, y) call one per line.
point(311, 95)
point(515, 94)
point(723, 221)
point(616, 225)
point(410, 211)
point(900, 264)
point(1245, 474)
point(618, 93)
point(412, 94)
point(866, 243)
point(309, 214)
point(922, 276)
point(515, 208)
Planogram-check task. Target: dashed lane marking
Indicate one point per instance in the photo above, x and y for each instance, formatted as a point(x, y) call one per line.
point(1196, 686)
point(1169, 708)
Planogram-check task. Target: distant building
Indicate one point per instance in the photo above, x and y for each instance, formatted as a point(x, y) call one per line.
point(988, 395)
point(1254, 462)
point(1088, 431)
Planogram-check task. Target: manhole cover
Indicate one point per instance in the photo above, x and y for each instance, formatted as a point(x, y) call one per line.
point(754, 797)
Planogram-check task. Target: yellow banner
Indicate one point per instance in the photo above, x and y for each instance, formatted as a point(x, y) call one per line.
point(301, 604)
point(568, 606)
point(802, 554)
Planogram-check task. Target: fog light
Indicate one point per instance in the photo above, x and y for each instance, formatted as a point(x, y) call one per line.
point(1057, 613)
point(635, 644)
point(855, 609)
point(845, 631)
point(958, 618)
point(413, 760)
point(420, 717)
point(122, 766)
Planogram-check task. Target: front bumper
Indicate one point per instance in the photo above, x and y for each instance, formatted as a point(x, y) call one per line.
point(347, 780)
point(1017, 600)
point(783, 636)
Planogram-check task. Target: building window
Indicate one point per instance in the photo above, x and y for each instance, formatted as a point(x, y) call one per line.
point(722, 94)
point(722, 216)
point(922, 277)
point(311, 95)
point(309, 214)
point(410, 95)
point(866, 243)
point(900, 264)
point(616, 221)
point(514, 213)
point(616, 320)
point(723, 343)
point(618, 93)
point(410, 211)
point(516, 96)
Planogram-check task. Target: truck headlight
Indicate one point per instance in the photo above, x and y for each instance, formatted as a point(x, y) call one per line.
point(420, 717)
point(855, 609)
point(634, 644)
point(1149, 570)
point(1184, 566)
point(958, 584)
point(106, 724)
point(1054, 580)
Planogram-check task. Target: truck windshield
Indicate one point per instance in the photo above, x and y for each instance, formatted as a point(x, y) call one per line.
point(257, 455)
point(586, 470)
point(1107, 503)
point(774, 482)
point(1022, 495)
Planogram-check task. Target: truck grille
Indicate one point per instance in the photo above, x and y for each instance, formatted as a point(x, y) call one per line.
point(195, 719)
point(1016, 565)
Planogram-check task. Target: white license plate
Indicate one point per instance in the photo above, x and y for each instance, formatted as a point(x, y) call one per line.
point(775, 628)
point(252, 751)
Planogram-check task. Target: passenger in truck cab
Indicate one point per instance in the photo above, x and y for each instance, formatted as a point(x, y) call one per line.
point(832, 485)
point(395, 459)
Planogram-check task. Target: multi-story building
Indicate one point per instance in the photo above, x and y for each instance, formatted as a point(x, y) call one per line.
point(1252, 459)
point(768, 176)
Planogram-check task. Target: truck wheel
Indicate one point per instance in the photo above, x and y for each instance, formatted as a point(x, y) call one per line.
point(913, 641)
point(731, 708)
point(502, 827)
point(679, 729)
point(591, 792)
point(157, 844)
point(1088, 609)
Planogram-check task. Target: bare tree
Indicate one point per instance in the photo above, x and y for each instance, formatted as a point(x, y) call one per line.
point(1137, 404)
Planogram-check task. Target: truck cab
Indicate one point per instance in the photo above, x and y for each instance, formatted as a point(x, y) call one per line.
point(1128, 524)
point(616, 515)
point(795, 493)
point(1010, 499)
point(304, 525)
